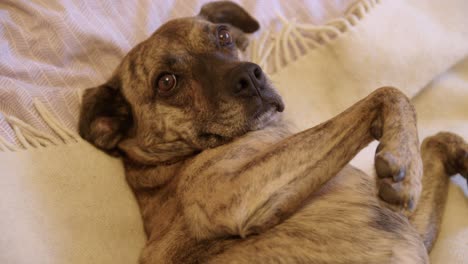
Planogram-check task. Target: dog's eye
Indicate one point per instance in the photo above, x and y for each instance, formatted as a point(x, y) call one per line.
point(166, 82)
point(224, 37)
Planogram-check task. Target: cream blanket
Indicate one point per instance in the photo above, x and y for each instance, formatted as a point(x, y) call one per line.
point(405, 44)
point(62, 201)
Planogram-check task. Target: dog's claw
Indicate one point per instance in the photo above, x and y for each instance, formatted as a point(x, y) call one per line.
point(400, 175)
point(399, 169)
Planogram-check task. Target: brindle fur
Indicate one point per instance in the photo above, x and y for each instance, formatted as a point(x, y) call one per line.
point(218, 183)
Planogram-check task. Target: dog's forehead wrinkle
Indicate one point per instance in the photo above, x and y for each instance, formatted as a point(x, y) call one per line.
point(135, 75)
point(196, 36)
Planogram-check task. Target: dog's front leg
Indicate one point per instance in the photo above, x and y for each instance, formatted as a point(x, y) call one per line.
point(270, 187)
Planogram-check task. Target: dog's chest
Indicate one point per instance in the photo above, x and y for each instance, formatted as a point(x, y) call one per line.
point(174, 244)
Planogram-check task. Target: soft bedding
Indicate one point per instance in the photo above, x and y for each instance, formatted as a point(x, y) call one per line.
point(62, 201)
point(52, 48)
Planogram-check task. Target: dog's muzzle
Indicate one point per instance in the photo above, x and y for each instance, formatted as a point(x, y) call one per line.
point(249, 80)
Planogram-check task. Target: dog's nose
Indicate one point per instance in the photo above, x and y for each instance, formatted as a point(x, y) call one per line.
point(248, 79)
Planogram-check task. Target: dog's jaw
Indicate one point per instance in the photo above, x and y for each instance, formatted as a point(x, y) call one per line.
point(265, 119)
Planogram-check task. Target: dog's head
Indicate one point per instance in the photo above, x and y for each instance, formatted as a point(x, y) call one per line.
point(182, 90)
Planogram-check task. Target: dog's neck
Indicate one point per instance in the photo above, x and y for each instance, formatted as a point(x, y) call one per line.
point(161, 154)
point(146, 177)
point(154, 186)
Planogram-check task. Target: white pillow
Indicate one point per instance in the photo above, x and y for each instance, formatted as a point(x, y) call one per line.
point(67, 204)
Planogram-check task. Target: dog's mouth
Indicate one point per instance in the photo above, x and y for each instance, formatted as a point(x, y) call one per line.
point(265, 116)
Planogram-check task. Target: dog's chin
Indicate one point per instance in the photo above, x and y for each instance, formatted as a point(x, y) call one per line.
point(263, 119)
point(212, 140)
point(259, 120)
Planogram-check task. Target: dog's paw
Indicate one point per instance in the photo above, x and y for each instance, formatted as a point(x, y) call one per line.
point(398, 167)
point(453, 150)
point(463, 161)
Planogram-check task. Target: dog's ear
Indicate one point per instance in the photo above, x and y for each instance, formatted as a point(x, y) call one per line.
point(230, 13)
point(105, 116)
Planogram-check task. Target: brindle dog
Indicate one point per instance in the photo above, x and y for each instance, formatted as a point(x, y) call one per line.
point(220, 179)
